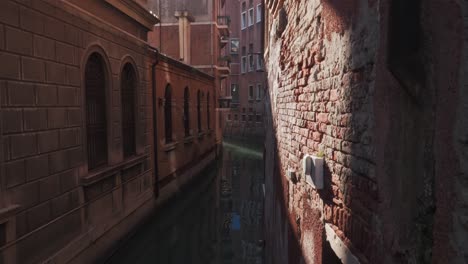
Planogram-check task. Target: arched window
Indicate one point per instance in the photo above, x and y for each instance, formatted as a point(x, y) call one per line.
point(168, 113)
point(208, 111)
point(199, 110)
point(186, 112)
point(96, 121)
point(128, 87)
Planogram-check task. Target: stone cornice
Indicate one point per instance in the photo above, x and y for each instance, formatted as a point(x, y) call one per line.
point(136, 12)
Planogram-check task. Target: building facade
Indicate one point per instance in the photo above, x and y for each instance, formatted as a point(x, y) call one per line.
point(93, 130)
point(194, 32)
point(244, 89)
point(377, 90)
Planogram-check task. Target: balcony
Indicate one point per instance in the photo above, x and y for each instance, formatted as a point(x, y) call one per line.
point(223, 25)
point(224, 68)
point(225, 102)
point(223, 41)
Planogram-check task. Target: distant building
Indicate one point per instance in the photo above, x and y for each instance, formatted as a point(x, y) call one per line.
point(243, 92)
point(194, 32)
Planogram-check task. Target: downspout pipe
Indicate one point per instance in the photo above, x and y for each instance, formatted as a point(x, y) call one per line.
point(154, 52)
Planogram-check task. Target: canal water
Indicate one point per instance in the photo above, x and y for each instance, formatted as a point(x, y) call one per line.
point(217, 220)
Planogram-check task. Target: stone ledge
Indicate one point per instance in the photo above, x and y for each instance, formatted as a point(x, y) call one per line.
point(170, 146)
point(7, 212)
point(136, 12)
point(108, 171)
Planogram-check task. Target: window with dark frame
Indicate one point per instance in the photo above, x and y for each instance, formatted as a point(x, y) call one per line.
point(168, 114)
point(96, 116)
point(259, 118)
point(199, 111)
point(186, 112)
point(405, 46)
point(251, 92)
point(244, 64)
point(128, 88)
point(208, 111)
point(3, 238)
point(251, 63)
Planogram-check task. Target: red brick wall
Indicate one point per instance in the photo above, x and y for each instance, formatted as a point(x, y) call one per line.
point(389, 165)
point(246, 107)
point(177, 156)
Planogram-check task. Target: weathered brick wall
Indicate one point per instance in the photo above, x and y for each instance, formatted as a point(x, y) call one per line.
point(388, 166)
point(183, 152)
point(321, 95)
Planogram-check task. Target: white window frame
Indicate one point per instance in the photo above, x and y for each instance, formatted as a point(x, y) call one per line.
point(259, 91)
point(259, 13)
point(238, 45)
point(243, 64)
point(251, 16)
point(251, 96)
point(251, 63)
point(259, 62)
point(243, 20)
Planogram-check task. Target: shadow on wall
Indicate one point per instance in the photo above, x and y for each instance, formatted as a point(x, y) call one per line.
point(335, 92)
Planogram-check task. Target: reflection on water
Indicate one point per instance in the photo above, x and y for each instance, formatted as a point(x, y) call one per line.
point(216, 220)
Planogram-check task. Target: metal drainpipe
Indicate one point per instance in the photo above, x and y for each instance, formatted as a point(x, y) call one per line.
point(155, 129)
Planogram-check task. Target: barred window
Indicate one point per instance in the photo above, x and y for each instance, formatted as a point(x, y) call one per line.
point(128, 87)
point(168, 113)
point(186, 112)
point(208, 111)
point(199, 110)
point(96, 119)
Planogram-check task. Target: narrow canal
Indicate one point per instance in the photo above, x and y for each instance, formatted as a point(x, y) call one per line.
point(218, 219)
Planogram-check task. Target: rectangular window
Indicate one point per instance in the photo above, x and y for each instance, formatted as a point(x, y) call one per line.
point(234, 93)
point(251, 63)
point(251, 92)
point(259, 92)
point(244, 65)
point(259, 62)
point(250, 118)
point(259, 13)
point(2, 237)
point(235, 117)
point(234, 46)
point(259, 118)
point(243, 118)
point(251, 17)
point(243, 20)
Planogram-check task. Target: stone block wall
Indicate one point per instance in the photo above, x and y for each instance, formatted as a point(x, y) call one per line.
point(52, 208)
point(332, 92)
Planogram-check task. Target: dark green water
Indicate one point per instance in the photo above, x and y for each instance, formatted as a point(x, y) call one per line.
point(218, 219)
